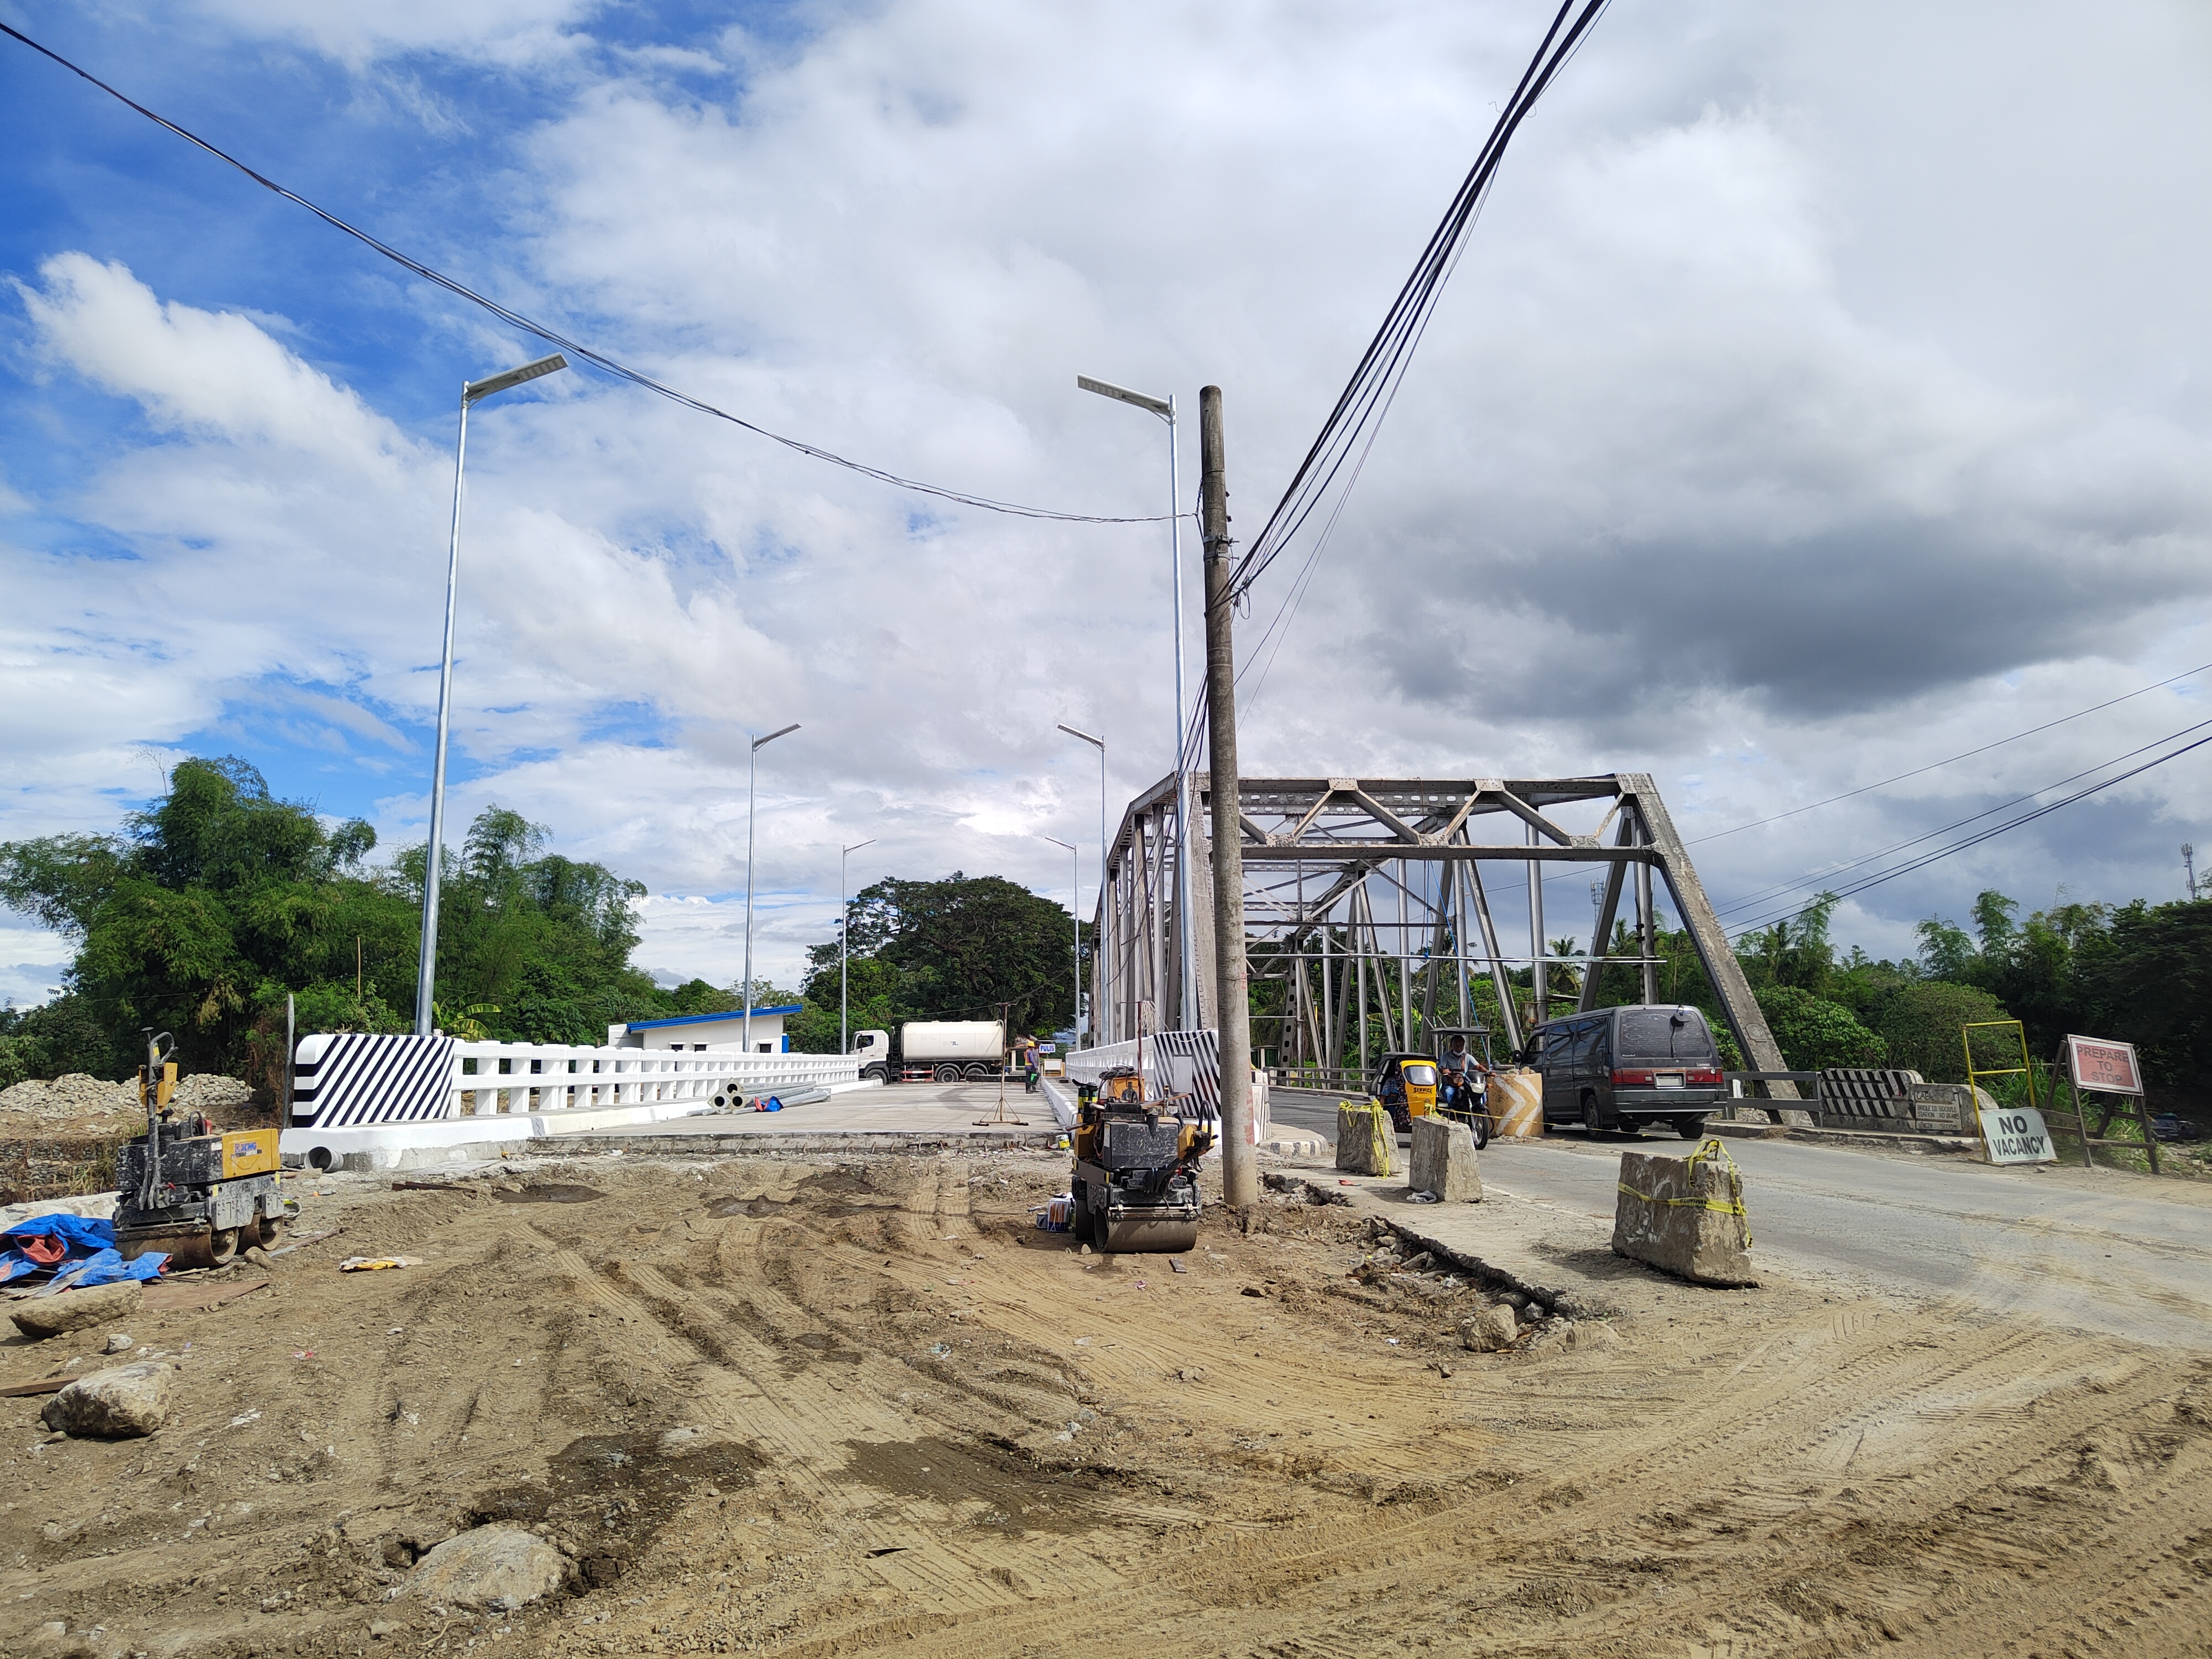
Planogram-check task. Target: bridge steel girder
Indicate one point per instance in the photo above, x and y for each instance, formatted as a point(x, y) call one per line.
point(1313, 847)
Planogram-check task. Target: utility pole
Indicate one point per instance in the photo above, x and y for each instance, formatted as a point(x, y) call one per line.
point(2189, 867)
point(1240, 1173)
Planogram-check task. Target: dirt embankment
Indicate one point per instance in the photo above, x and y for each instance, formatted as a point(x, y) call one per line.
point(771, 1405)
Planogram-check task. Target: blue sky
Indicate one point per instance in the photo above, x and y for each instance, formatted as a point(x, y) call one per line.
point(1823, 394)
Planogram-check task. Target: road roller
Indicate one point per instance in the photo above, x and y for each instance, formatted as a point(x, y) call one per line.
point(1135, 1179)
point(183, 1188)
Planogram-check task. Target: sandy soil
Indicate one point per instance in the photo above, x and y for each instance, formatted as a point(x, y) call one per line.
point(768, 1405)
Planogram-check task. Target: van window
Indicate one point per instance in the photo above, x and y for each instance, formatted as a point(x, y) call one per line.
point(1587, 1043)
point(1558, 1045)
point(1664, 1034)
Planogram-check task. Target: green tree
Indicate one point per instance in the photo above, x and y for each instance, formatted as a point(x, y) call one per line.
point(1794, 952)
point(51, 1040)
point(1923, 1023)
point(217, 900)
point(2148, 981)
point(954, 949)
point(1813, 1033)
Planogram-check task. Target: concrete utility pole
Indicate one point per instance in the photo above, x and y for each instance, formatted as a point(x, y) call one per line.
point(1240, 1173)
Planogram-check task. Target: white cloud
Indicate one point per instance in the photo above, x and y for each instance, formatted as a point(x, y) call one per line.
point(505, 31)
point(211, 374)
point(1706, 468)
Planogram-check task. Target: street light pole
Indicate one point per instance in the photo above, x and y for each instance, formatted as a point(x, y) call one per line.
point(1074, 907)
point(752, 758)
point(426, 968)
point(1098, 1035)
point(844, 948)
point(1165, 409)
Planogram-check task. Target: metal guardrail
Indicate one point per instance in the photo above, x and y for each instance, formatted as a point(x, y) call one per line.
point(1322, 1079)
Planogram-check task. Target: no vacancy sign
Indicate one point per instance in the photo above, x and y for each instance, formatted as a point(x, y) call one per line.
point(2106, 1068)
point(2017, 1135)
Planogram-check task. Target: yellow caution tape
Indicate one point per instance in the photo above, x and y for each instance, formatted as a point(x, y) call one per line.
point(1708, 1148)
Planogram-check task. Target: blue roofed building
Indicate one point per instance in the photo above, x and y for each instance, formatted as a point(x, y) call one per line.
point(705, 1031)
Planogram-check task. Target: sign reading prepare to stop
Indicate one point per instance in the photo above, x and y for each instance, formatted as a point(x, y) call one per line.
point(2017, 1135)
point(2108, 1067)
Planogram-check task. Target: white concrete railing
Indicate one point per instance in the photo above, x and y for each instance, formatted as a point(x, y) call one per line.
point(492, 1078)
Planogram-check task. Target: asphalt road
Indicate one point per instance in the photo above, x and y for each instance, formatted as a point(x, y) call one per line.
point(2093, 1250)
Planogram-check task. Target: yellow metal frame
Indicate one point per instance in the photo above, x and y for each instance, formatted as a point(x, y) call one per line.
point(2025, 1068)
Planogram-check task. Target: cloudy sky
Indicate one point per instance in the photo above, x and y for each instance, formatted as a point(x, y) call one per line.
point(1821, 394)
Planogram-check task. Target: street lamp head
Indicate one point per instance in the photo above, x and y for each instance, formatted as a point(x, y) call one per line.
point(1163, 407)
point(1095, 743)
point(1055, 840)
point(478, 390)
point(763, 742)
point(858, 845)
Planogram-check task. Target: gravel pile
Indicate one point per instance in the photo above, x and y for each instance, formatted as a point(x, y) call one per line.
point(80, 1104)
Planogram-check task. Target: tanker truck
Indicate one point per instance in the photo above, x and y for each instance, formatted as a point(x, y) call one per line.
point(940, 1050)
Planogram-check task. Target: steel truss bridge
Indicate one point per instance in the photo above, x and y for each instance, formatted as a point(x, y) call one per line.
point(1345, 875)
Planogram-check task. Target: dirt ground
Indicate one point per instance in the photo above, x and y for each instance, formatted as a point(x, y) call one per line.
point(768, 1405)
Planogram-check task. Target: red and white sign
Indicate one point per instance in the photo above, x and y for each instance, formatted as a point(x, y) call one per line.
point(2106, 1068)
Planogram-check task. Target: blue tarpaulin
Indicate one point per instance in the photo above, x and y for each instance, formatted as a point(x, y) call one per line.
point(89, 1255)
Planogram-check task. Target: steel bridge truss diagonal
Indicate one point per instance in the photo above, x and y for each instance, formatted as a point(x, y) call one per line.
point(1345, 875)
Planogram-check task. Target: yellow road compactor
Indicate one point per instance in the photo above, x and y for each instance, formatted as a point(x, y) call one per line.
point(184, 1189)
point(1135, 1180)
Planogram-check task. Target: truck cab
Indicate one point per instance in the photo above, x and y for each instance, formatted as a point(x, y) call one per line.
point(873, 1049)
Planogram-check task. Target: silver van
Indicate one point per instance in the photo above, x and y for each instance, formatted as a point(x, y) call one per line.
point(1626, 1068)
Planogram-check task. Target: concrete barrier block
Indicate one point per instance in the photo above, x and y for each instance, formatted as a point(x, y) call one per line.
point(1364, 1138)
point(1443, 1162)
point(1684, 1215)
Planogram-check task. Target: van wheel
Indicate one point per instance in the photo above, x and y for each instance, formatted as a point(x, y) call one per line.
point(1589, 1115)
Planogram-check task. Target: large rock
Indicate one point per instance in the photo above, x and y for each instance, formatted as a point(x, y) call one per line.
point(1684, 1215)
point(1364, 1136)
point(76, 1310)
point(116, 1404)
point(1488, 1329)
point(1443, 1162)
point(492, 1569)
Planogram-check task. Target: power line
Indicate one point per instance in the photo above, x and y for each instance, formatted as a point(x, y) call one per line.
point(1975, 840)
point(1825, 875)
point(1366, 396)
point(1348, 433)
point(599, 360)
point(1968, 755)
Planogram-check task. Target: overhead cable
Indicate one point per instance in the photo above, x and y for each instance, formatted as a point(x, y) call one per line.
point(1975, 840)
point(1965, 754)
point(1366, 396)
point(597, 359)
